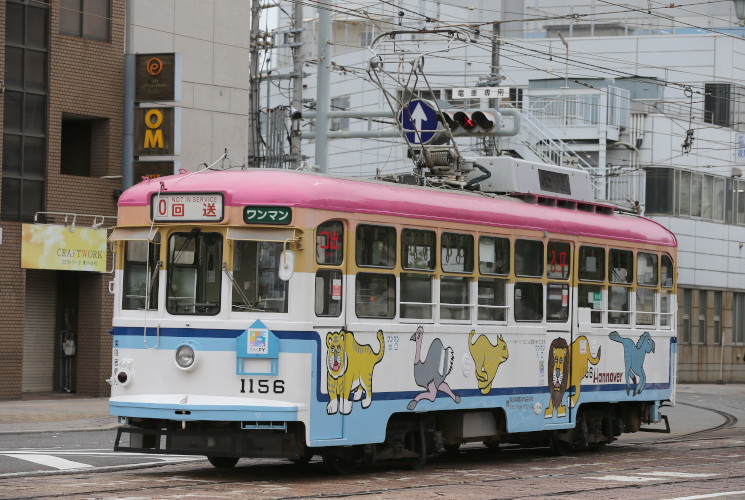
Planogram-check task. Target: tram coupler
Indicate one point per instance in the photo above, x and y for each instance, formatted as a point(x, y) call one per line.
point(666, 430)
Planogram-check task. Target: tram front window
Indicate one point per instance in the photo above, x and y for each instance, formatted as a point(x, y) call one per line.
point(256, 283)
point(194, 273)
point(141, 269)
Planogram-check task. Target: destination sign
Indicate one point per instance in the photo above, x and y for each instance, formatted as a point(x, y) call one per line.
point(187, 207)
point(259, 214)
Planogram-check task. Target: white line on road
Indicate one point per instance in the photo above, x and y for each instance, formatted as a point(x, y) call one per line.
point(710, 495)
point(626, 479)
point(675, 474)
point(49, 461)
point(649, 476)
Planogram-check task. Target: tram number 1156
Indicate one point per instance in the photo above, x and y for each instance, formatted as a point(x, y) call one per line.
point(262, 386)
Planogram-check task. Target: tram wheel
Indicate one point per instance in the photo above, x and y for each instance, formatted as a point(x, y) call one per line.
point(340, 466)
point(223, 462)
point(492, 445)
point(558, 447)
point(451, 449)
point(304, 459)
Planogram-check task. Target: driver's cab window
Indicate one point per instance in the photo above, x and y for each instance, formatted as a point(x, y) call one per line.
point(141, 269)
point(194, 273)
point(256, 282)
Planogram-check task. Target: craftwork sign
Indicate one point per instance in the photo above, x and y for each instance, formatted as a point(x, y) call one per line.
point(64, 248)
point(187, 207)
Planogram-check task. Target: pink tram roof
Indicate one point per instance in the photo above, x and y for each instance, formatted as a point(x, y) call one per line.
point(307, 190)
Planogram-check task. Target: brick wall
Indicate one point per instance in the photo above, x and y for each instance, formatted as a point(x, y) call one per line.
point(86, 78)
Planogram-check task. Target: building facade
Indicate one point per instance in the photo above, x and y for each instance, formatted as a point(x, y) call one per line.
point(63, 142)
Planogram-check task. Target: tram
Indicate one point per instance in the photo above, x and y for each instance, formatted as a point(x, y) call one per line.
point(276, 313)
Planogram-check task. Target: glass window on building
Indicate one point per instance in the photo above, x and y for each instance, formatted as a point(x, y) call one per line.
point(703, 310)
point(686, 332)
point(717, 318)
point(339, 104)
point(739, 314)
point(90, 19)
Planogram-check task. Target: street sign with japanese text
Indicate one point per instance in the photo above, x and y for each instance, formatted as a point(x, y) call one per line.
point(255, 214)
point(187, 207)
point(481, 93)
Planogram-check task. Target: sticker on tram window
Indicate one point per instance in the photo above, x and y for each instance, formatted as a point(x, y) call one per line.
point(187, 207)
point(256, 214)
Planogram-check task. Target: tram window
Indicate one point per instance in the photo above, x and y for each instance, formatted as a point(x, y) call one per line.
point(457, 253)
point(528, 302)
point(591, 296)
point(646, 269)
point(621, 269)
point(529, 258)
point(256, 283)
point(492, 299)
point(141, 274)
point(557, 302)
point(194, 273)
point(618, 305)
point(558, 257)
point(645, 306)
point(416, 296)
point(592, 263)
point(665, 309)
point(328, 292)
point(375, 295)
point(330, 243)
point(418, 249)
point(494, 255)
point(376, 246)
point(667, 271)
point(455, 298)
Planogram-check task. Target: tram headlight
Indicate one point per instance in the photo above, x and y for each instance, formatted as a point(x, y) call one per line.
point(185, 357)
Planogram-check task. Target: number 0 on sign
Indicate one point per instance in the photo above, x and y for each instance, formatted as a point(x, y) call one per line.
point(187, 207)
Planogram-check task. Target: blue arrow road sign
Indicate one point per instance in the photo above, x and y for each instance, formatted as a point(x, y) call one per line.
point(419, 116)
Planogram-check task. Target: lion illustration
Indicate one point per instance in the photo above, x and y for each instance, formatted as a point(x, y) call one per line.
point(350, 370)
point(567, 367)
point(558, 366)
point(487, 357)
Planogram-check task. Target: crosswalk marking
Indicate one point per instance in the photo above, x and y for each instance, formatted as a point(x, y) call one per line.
point(640, 477)
point(710, 495)
point(49, 461)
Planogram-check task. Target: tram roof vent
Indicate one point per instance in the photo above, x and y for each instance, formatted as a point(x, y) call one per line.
point(504, 174)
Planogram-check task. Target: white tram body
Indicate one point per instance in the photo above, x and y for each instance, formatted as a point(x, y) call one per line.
point(265, 313)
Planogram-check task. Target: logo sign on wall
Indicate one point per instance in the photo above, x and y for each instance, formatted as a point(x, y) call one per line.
point(157, 77)
point(156, 133)
point(63, 248)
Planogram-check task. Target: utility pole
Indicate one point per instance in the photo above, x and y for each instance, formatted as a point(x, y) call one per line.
point(322, 89)
point(297, 83)
point(254, 86)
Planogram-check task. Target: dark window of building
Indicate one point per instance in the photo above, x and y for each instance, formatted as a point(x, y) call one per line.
point(687, 314)
point(89, 19)
point(717, 318)
point(717, 103)
point(739, 314)
point(84, 148)
point(703, 309)
point(659, 182)
point(25, 113)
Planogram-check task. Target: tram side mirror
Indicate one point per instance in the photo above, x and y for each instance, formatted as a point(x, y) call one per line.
point(286, 265)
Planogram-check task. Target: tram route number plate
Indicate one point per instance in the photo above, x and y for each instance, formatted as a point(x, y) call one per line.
point(187, 207)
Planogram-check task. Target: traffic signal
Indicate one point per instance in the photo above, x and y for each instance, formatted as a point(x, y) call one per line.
point(477, 122)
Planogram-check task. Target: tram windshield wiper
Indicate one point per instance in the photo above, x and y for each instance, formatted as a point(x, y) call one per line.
point(248, 304)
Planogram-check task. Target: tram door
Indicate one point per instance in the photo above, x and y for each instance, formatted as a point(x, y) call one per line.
point(559, 320)
point(330, 307)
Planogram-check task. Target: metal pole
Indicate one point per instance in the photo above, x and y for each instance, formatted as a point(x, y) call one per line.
point(494, 77)
point(322, 91)
point(297, 84)
point(254, 87)
point(129, 102)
